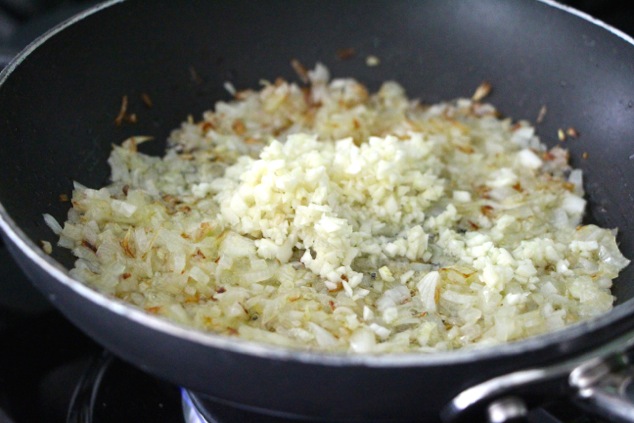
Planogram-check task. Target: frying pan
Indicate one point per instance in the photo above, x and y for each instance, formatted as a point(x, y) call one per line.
point(59, 98)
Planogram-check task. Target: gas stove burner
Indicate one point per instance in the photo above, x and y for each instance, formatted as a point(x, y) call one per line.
point(112, 391)
point(190, 412)
point(201, 409)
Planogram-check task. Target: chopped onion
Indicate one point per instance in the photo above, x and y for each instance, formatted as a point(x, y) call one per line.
point(327, 217)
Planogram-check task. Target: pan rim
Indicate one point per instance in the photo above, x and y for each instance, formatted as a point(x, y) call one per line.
point(585, 16)
point(46, 263)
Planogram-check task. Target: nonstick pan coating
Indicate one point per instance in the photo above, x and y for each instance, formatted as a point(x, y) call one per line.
point(58, 102)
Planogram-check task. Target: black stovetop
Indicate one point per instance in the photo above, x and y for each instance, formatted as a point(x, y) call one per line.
point(50, 372)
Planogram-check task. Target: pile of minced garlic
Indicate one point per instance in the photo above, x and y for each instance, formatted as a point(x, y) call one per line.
point(325, 217)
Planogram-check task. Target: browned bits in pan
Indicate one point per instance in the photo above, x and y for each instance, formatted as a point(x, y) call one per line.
point(239, 127)
point(133, 142)
point(126, 248)
point(122, 111)
point(300, 70)
point(487, 210)
point(345, 53)
point(585, 155)
point(473, 226)
point(206, 126)
point(483, 90)
point(542, 114)
point(193, 74)
point(192, 299)
point(132, 145)
point(123, 115)
point(337, 288)
point(483, 191)
point(466, 149)
point(243, 94)
point(147, 100)
point(88, 245)
point(572, 132)
point(125, 245)
point(63, 198)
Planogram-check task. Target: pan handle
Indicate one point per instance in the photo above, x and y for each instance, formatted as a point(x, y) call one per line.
point(605, 386)
point(600, 382)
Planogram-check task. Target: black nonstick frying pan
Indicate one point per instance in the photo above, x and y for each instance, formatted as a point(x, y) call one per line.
point(59, 98)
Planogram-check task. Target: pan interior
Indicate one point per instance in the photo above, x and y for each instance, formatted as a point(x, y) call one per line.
point(60, 103)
